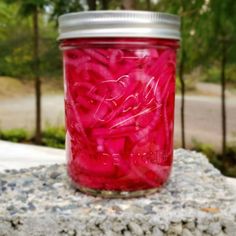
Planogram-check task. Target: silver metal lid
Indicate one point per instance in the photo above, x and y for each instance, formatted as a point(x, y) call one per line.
point(94, 24)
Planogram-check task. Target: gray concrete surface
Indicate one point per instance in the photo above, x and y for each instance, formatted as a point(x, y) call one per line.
point(18, 156)
point(196, 201)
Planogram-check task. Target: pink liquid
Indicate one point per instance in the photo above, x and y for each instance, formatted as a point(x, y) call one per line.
point(119, 100)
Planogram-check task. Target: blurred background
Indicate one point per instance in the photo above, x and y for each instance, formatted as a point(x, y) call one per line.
point(31, 87)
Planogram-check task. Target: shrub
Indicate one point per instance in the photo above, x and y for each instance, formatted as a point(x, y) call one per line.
point(54, 137)
point(227, 167)
point(209, 151)
point(51, 136)
point(212, 75)
point(15, 135)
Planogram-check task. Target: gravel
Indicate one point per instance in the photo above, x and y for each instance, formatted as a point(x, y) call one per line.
point(196, 201)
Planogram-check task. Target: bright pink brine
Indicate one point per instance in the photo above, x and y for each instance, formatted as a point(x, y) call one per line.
point(119, 102)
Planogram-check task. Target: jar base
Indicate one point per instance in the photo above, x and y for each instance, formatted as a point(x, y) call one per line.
point(113, 193)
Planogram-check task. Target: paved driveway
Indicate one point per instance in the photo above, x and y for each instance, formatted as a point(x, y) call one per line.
point(203, 120)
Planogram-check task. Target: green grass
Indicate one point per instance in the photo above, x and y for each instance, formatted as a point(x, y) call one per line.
point(51, 136)
point(15, 135)
point(54, 137)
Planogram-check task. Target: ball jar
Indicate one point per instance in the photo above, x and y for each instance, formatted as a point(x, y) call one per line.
point(119, 82)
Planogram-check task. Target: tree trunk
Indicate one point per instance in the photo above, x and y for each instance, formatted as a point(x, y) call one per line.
point(182, 83)
point(223, 102)
point(128, 4)
point(148, 2)
point(91, 5)
point(104, 4)
point(182, 109)
point(38, 134)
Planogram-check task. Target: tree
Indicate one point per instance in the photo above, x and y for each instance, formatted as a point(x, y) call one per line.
point(189, 12)
point(182, 83)
point(92, 5)
point(104, 4)
point(128, 4)
point(38, 135)
point(31, 8)
point(148, 3)
point(16, 57)
point(222, 18)
point(62, 7)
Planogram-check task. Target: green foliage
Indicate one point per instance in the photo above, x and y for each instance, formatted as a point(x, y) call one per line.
point(219, 29)
point(54, 137)
point(16, 57)
point(231, 74)
point(203, 23)
point(15, 135)
point(60, 7)
point(50, 55)
point(211, 74)
point(228, 168)
point(209, 151)
point(27, 7)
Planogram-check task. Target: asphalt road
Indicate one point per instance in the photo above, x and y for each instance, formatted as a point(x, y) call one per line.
point(203, 116)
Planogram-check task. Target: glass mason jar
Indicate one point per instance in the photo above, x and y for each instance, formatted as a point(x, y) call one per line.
point(119, 77)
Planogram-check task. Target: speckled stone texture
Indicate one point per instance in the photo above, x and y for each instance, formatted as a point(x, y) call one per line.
point(196, 201)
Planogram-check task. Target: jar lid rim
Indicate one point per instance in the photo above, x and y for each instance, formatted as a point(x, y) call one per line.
point(119, 23)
